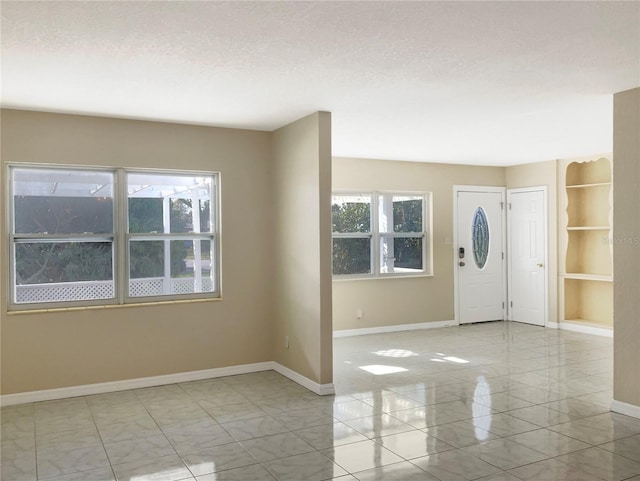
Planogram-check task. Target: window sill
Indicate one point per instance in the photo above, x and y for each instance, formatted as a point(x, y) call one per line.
point(112, 306)
point(381, 277)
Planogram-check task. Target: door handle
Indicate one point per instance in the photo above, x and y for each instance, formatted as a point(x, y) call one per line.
point(461, 264)
point(540, 264)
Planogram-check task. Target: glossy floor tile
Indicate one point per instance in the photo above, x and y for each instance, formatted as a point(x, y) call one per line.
point(553, 470)
point(491, 402)
point(455, 465)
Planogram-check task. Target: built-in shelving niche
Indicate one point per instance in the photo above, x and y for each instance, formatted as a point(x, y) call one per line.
point(588, 276)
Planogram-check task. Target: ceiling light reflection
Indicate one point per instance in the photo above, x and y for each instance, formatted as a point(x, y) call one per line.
point(378, 369)
point(173, 473)
point(456, 360)
point(482, 413)
point(395, 353)
point(446, 358)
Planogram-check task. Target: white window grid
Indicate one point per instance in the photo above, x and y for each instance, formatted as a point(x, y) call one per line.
point(375, 236)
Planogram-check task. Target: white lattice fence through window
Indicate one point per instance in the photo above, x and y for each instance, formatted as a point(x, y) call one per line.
point(154, 286)
point(186, 285)
point(151, 286)
point(182, 286)
point(64, 291)
point(93, 290)
point(207, 284)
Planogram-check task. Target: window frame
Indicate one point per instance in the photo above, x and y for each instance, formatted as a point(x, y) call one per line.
point(376, 235)
point(357, 235)
point(213, 237)
point(119, 238)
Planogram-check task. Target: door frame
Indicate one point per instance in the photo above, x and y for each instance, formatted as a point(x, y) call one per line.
point(545, 225)
point(488, 189)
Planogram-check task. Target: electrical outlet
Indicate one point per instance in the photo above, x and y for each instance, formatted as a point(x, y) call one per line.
point(359, 314)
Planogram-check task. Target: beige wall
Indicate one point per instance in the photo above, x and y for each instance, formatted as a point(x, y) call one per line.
point(626, 247)
point(396, 301)
point(65, 348)
point(536, 175)
point(276, 252)
point(302, 184)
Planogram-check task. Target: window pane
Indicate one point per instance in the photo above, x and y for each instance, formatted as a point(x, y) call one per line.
point(146, 259)
point(63, 271)
point(145, 215)
point(401, 254)
point(165, 203)
point(351, 213)
point(189, 264)
point(400, 213)
point(56, 201)
point(182, 216)
point(407, 214)
point(351, 256)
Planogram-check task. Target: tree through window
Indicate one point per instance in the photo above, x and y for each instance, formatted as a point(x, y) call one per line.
point(379, 234)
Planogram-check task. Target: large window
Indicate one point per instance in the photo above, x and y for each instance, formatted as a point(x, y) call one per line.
point(97, 236)
point(380, 234)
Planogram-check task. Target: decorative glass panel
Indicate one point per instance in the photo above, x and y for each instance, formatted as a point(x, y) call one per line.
point(480, 237)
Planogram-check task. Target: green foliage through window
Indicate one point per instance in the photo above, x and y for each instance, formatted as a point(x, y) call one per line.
point(52, 262)
point(351, 256)
point(394, 244)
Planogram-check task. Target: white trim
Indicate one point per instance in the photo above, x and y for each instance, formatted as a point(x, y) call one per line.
point(487, 189)
point(124, 385)
point(375, 235)
point(586, 329)
point(319, 389)
point(545, 225)
point(625, 408)
point(553, 325)
point(400, 327)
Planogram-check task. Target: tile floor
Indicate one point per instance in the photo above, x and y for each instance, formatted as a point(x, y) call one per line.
point(497, 402)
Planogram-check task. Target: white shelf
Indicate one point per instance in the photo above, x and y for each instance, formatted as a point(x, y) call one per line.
point(585, 186)
point(587, 287)
point(587, 277)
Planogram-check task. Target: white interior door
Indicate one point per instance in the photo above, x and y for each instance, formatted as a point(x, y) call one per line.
point(479, 255)
point(527, 256)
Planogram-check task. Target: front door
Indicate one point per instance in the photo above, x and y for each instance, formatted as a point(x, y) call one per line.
point(479, 255)
point(527, 253)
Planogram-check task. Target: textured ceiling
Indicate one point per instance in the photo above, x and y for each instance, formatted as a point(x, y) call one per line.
point(493, 83)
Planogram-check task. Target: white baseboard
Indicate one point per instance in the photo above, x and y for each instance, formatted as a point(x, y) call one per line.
point(104, 387)
point(586, 329)
point(553, 325)
point(320, 389)
point(400, 327)
point(625, 408)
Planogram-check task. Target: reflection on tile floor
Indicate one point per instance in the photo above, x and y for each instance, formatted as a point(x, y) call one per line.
point(494, 401)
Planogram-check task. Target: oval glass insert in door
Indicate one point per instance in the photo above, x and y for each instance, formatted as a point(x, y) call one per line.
point(480, 237)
